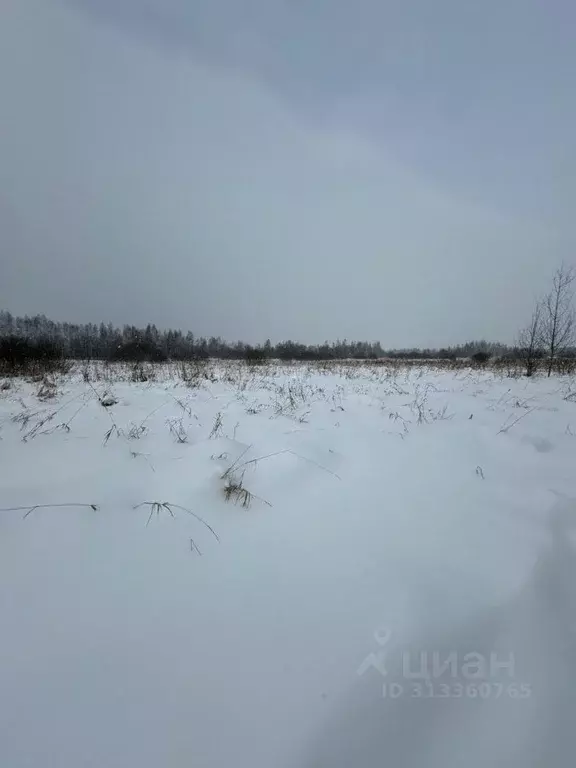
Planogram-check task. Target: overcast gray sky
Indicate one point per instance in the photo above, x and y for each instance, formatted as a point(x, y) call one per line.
point(393, 169)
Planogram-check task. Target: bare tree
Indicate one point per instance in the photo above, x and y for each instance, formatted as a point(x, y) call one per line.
point(558, 316)
point(530, 341)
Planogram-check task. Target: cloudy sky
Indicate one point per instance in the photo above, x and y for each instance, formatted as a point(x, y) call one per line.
point(393, 169)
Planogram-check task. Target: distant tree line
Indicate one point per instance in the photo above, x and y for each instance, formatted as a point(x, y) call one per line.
point(41, 338)
point(547, 342)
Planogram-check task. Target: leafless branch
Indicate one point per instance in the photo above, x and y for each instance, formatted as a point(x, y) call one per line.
point(558, 326)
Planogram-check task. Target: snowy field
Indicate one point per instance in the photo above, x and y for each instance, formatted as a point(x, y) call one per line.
point(289, 566)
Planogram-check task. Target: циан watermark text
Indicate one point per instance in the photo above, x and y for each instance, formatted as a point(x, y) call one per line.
point(452, 674)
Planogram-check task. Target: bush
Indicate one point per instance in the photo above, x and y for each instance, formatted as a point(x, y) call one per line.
point(481, 358)
point(566, 366)
point(24, 356)
point(138, 352)
point(254, 356)
point(15, 352)
point(140, 374)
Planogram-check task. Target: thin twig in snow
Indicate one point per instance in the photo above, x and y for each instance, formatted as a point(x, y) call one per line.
point(156, 506)
point(194, 547)
point(276, 453)
point(505, 428)
point(30, 508)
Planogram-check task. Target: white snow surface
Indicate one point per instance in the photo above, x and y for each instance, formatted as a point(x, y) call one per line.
point(121, 646)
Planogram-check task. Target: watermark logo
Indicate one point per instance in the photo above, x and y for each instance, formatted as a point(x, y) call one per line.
point(377, 660)
point(429, 673)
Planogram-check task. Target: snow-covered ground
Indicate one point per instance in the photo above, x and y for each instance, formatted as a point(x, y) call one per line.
point(391, 581)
